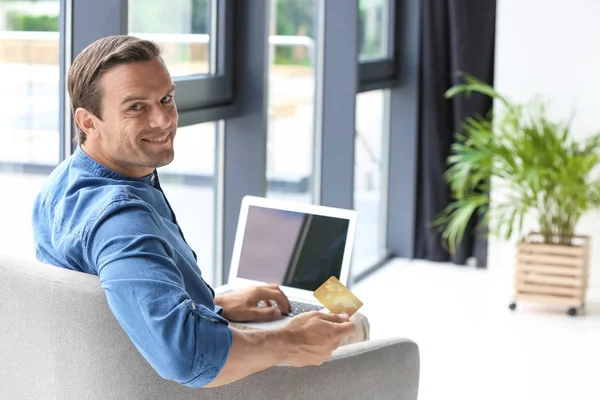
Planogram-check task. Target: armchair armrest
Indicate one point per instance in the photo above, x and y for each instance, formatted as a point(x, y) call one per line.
point(380, 369)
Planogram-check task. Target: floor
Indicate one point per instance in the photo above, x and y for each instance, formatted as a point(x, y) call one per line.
point(472, 346)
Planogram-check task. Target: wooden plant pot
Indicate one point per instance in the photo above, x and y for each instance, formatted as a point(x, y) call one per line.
point(552, 274)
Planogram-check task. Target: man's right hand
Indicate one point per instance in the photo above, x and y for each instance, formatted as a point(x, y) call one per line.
point(313, 336)
point(308, 339)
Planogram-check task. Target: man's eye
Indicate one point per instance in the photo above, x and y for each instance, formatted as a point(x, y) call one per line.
point(136, 107)
point(167, 99)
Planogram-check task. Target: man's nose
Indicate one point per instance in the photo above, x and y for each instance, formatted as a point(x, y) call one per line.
point(159, 118)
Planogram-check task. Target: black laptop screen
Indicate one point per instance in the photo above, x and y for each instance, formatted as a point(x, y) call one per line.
point(291, 248)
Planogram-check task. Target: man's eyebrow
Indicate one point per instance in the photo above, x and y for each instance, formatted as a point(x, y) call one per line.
point(128, 99)
point(131, 98)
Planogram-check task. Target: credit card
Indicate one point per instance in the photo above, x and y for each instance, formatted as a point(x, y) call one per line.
point(337, 298)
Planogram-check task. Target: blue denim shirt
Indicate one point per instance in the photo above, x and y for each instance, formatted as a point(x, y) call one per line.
point(89, 218)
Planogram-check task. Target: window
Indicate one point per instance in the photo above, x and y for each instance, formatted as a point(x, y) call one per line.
point(189, 183)
point(183, 29)
point(376, 44)
point(290, 138)
point(196, 41)
point(373, 29)
point(369, 178)
point(196, 37)
point(29, 99)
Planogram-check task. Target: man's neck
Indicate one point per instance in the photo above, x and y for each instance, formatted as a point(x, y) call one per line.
point(100, 158)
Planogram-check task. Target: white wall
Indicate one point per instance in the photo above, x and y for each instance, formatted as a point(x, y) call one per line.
point(551, 47)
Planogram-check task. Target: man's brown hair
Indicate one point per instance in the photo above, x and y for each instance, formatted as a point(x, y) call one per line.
point(93, 61)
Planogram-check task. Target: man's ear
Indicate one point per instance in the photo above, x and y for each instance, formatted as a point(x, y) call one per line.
point(85, 120)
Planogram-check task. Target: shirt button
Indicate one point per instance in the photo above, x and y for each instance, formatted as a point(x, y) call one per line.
point(152, 178)
point(193, 306)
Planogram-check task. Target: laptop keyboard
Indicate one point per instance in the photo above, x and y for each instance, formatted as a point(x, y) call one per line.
point(296, 306)
point(299, 308)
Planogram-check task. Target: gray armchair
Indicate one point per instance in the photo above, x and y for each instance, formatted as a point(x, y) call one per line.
point(59, 340)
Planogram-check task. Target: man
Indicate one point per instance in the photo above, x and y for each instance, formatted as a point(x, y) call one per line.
point(103, 212)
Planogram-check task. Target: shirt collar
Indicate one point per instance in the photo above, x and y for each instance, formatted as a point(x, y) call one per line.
point(98, 169)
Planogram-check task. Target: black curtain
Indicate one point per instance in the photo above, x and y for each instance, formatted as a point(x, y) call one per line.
point(457, 37)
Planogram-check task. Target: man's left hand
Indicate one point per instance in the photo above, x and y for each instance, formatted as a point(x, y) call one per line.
point(242, 305)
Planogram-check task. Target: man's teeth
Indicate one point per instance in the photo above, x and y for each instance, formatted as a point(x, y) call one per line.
point(158, 140)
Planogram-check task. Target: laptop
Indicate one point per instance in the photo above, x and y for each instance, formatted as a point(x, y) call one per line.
point(295, 245)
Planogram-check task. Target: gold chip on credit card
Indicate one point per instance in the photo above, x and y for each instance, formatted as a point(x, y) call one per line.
point(337, 298)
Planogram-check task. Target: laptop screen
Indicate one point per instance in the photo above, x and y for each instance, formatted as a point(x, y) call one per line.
point(291, 248)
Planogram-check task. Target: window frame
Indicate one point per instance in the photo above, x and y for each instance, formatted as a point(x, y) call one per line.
point(381, 73)
point(204, 97)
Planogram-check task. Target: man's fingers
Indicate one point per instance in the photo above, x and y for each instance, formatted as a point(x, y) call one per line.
point(337, 318)
point(278, 288)
point(342, 324)
point(267, 294)
point(266, 314)
point(346, 328)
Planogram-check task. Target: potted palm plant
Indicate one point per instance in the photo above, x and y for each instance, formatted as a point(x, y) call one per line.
point(545, 177)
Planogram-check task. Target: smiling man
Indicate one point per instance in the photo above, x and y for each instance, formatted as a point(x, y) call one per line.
point(103, 212)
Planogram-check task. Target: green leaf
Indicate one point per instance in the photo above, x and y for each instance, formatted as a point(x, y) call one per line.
point(455, 218)
point(474, 85)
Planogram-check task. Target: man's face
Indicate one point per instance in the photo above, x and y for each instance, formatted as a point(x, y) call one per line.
point(139, 119)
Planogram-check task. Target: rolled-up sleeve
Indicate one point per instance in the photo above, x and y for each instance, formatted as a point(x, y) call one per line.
point(183, 341)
